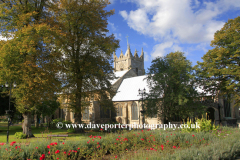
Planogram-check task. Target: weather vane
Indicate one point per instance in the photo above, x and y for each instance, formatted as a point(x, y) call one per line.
point(127, 39)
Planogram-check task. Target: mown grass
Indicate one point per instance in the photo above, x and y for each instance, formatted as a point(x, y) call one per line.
point(40, 134)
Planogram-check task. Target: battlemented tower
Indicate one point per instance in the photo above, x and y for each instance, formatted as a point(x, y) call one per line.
point(128, 61)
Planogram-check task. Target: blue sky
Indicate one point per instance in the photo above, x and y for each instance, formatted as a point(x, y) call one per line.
point(164, 26)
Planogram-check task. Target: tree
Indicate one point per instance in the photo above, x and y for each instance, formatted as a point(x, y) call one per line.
point(172, 88)
point(4, 103)
point(87, 51)
point(28, 56)
point(47, 108)
point(220, 69)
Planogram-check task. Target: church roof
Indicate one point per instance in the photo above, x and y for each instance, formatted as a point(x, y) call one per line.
point(118, 74)
point(128, 90)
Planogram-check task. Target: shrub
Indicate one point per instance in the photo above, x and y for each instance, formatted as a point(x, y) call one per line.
point(70, 130)
point(20, 135)
point(204, 124)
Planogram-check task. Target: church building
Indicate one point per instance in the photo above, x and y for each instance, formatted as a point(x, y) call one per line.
point(130, 73)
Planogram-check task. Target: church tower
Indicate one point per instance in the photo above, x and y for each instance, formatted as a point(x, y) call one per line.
point(128, 61)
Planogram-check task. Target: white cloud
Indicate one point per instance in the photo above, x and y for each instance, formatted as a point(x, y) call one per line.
point(118, 36)
point(175, 21)
point(159, 50)
point(146, 57)
point(112, 1)
point(112, 26)
point(145, 44)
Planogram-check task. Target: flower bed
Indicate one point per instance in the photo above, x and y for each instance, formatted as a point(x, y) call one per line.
point(133, 145)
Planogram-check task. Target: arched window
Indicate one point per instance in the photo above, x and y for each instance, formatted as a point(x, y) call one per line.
point(119, 110)
point(134, 111)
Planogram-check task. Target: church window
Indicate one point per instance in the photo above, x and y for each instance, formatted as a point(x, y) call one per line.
point(134, 111)
point(119, 110)
point(86, 114)
point(227, 107)
point(104, 112)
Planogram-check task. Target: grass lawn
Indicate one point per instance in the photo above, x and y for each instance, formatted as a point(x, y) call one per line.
point(40, 134)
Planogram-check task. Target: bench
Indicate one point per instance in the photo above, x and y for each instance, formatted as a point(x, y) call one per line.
point(64, 135)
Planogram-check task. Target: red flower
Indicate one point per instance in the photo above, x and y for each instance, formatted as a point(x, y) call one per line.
point(101, 129)
point(200, 140)
point(16, 147)
point(57, 151)
point(193, 135)
point(97, 142)
point(142, 130)
point(78, 148)
point(65, 152)
point(90, 136)
point(94, 136)
point(57, 158)
point(162, 146)
point(174, 147)
point(117, 139)
point(115, 156)
point(48, 146)
point(63, 143)
point(186, 141)
point(203, 139)
point(48, 152)
point(171, 134)
point(142, 139)
point(43, 156)
point(12, 143)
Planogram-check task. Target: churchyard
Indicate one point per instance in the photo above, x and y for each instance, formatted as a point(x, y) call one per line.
point(208, 143)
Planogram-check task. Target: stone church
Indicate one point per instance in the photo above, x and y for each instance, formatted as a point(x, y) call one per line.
point(130, 73)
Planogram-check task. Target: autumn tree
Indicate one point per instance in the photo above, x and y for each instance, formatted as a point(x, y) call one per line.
point(87, 51)
point(172, 88)
point(28, 56)
point(220, 69)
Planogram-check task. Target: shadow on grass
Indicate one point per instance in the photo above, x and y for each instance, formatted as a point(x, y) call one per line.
point(42, 133)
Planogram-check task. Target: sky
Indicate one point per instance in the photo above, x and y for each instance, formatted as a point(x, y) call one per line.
point(164, 26)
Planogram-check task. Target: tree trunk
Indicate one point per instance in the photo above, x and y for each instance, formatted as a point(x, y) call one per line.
point(26, 125)
point(36, 121)
point(78, 112)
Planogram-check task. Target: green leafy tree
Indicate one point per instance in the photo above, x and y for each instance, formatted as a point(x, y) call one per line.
point(172, 88)
point(220, 69)
point(28, 56)
point(87, 51)
point(47, 108)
